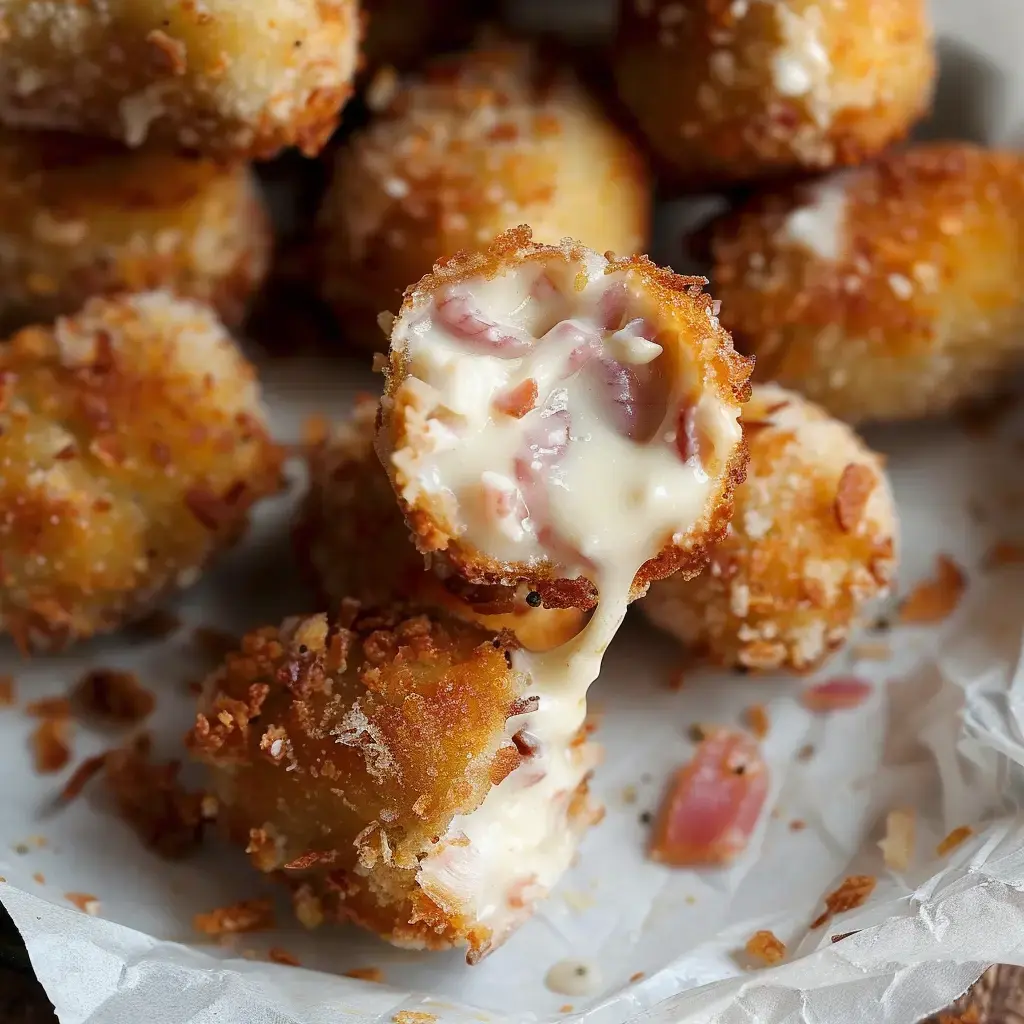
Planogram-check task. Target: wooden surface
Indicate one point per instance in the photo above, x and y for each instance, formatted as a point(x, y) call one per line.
point(997, 999)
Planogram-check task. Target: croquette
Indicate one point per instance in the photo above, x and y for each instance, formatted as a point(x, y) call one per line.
point(812, 542)
point(381, 765)
point(481, 142)
point(731, 92)
point(888, 292)
point(223, 77)
point(133, 443)
point(549, 412)
point(82, 217)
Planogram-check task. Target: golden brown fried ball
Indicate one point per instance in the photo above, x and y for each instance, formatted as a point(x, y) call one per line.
point(225, 77)
point(80, 217)
point(547, 407)
point(735, 91)
point(483, 141)
point(351, 533)
point(885, 293)
point(132, 444)
point(812, 540)
point(355, 757)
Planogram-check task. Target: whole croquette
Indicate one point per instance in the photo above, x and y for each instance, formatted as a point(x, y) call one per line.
point(81, 217)
point(888, 292)
point(133, 443)
point(738, 91)
point(813, 539)
point(481, 142)
point(350, 532)
point(225, 77)
point(381, 765)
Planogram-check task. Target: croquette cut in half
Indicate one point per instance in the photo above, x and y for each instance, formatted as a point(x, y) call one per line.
point(83, 217)
point(749, 89)
point(889, 292)
point(813, 540)
point(133, 443)
point(351, 534)
point(548, 410)
point(224, 77)
point(480, 142)
point(382, 765)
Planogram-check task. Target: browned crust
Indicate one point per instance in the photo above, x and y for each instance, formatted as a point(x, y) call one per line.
point(699, 79)
point(681, 301)
point(921, 310)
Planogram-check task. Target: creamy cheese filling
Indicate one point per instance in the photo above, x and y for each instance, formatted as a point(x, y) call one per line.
point(563, 430)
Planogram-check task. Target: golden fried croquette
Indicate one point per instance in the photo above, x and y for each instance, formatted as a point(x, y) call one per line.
point(813, 538)
point(225, 77)
point(732, 92)
point(133, 443)
point(483, 141)
point(884, 293)
point(382, 765)
point(351, 534)
point(549, 412)
point(80, 217)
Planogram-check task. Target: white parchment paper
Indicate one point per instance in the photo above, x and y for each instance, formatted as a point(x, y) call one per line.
point(943, 734)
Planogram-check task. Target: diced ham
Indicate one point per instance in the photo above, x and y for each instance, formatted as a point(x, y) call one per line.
point(611, 307)
point(839, 694)
point(466, 322)
point(713, 803)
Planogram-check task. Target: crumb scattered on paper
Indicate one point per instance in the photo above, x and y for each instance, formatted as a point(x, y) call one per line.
point(51, 745)
point(839, 694)
point(114, 696)
point(935, 599)
point(765, 946)
point(954, 839)
point(8, 691)
point(85, 902)
point(237, 918)
point(806, 752)
point(81, 777)
point(39, 877)
point(850, 895)
point(374, 974)
point(756, 718)
point(277, 955)
point(797, 825)
point(413, 1017)
point(635, 977)
point(898, 845)
point(1004, 553)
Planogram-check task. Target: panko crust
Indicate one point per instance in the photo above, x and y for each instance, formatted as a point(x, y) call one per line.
point(686, 315)
point(733, 92)
point(342, 750)
point(480, 142)
point(133, 443)
point(230, 79)
point(906, 302)
point(83, 217)
point(813, 538)
point(353, 540)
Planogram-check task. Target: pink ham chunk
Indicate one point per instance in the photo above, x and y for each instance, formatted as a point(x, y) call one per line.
point(713, 803)
point(463, 320)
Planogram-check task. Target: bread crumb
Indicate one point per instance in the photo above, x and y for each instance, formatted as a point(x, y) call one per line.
point(39, 877)
point(797, 825)
point(898, 845)
point(413, 1017)
point(81, 776)
point(565, 1008)
point(764, 945)
point(85, 902)
point(49, 707)
point(806, 752)
point(8, 691)
point(1004, 553)
point(51, 745)
point(933, 600)
point(374, 974)
point(853, 892)
point(114, 696)
point(853, 494)
point(756, 717)
point(634, 978)
point(277, 955)
point(237, 918)
point(954, 839)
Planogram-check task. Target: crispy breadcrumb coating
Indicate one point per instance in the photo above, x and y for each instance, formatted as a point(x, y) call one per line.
point(813, 538)
point(698, 356)
point(231, 78)
point(81, 217)
point(884, 293)
point(133, 443)
point(350, 532)
point(752, 89)
point(481, 142)
point(341, 753)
